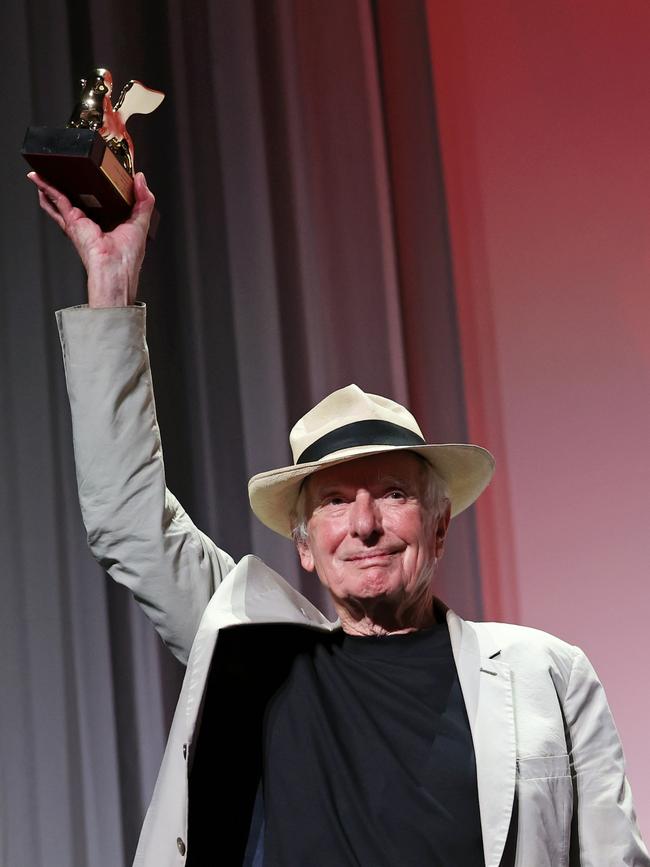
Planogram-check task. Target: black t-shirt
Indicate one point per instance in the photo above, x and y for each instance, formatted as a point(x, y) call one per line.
point(368, 757)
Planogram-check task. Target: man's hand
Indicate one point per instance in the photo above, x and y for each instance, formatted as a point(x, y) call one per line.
point(112, 259)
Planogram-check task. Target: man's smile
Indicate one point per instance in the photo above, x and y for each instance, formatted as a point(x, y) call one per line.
point(372, 555)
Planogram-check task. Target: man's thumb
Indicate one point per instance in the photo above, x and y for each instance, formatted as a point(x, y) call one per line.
point(144, 201)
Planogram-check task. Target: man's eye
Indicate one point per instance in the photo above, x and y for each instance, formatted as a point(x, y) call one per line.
point(396, 494)
point(333, 501)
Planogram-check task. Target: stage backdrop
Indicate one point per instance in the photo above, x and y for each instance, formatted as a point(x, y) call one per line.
point(303, 246)
point(545, 135)
point(318, 230)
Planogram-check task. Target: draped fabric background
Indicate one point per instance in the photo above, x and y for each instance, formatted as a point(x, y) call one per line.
point(443, 202)
point(302, 246)
point(545, 133)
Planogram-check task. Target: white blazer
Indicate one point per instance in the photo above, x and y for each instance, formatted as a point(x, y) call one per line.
point(548, 756)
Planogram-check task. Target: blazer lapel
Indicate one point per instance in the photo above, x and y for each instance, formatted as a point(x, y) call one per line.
point(487, 691)
point(253, 593)
point(250, 593)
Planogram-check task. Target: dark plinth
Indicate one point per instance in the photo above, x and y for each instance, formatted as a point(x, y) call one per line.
point(80, 164)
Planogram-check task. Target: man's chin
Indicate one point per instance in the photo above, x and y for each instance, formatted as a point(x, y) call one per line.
point(374, 583)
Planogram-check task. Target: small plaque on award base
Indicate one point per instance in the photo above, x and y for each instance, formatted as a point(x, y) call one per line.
point(91, 159)
point(80, 164)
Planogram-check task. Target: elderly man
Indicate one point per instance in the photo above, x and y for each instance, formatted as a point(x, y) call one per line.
point(400, 735)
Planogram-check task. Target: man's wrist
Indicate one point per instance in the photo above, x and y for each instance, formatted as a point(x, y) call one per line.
point(113, 294)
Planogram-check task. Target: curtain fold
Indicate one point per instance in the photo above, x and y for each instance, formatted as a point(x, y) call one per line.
point(302, 247)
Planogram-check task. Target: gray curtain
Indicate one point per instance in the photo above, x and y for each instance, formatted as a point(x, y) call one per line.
point(302, 246)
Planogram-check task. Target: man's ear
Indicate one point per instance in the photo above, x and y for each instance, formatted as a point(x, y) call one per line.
point(442, 526)
point(306, 557)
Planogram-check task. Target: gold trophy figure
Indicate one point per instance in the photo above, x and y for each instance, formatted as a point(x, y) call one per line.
point(91, 159)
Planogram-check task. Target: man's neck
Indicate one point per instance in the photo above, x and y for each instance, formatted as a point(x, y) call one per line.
point(385, 617)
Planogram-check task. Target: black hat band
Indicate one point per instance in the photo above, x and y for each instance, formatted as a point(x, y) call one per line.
point(371, 432)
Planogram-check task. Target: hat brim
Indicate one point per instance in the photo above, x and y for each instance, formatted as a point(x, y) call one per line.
point(467, 470)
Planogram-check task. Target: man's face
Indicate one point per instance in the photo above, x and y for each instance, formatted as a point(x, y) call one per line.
point(369, 533)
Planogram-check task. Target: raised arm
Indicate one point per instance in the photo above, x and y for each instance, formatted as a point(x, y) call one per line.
point(136, 528)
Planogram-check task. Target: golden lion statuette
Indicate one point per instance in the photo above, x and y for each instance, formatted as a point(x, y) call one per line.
point(91, 159)
point(95, 111)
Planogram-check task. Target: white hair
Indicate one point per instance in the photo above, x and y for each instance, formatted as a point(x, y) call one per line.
point(435, 499)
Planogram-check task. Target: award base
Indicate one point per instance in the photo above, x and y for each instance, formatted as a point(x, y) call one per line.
point(79, 163)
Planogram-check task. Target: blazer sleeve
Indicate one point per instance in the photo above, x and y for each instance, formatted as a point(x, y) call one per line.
point(608, 835)
point(136, 528)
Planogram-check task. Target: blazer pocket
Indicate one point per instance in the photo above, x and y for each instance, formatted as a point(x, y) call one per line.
point(545, 807)
point(543, 767)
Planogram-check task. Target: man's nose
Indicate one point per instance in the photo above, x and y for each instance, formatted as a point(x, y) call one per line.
point(365, 517)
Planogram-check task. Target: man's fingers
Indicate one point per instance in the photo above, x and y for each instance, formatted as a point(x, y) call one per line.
point(82, 231)
point(56, 198)
point(49, 208)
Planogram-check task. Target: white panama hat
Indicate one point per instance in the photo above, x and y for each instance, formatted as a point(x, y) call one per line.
point(350, 424)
